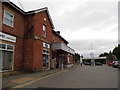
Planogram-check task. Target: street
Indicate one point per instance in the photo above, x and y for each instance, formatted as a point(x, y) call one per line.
point(78, 77)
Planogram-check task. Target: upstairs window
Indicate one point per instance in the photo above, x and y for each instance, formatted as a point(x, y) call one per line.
point(8, 18)
point(44, 31)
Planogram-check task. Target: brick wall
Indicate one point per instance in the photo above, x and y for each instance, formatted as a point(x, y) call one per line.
point(19, 22)
point(18, 31)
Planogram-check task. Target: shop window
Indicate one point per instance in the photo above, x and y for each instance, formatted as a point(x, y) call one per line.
point(8, 18)
point(45, 51)
point(9, 47)
point(2, 46)
point(44, 31)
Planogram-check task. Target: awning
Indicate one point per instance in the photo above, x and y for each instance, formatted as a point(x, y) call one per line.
point(62, 46)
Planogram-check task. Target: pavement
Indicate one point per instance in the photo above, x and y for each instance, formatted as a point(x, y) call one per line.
point(23, 78)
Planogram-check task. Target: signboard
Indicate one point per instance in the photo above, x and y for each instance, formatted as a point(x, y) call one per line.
point(7, 37)
point(46, 45)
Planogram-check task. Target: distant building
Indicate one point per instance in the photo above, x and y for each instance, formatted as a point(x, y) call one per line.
point(96, 59)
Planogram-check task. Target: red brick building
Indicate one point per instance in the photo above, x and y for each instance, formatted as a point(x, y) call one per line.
point(28, 40)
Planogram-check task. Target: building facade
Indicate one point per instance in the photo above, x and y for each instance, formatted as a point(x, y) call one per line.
point(28, 40)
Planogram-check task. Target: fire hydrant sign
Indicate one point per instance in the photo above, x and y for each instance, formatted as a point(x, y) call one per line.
point(7, 37)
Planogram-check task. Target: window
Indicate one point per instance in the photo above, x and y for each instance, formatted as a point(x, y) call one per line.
point(44, 31)
point(2, 46)
point(8, 18)
point(45, 51)
point(7, 47)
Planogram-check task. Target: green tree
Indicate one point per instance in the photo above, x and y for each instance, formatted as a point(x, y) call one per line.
point(110, 56)
point(116, 52)
point(76, 57)
point(103, 54)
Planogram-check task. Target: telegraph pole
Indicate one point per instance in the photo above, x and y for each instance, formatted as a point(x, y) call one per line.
point(92, 54)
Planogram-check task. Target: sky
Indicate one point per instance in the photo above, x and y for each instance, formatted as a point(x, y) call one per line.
point(85, 24)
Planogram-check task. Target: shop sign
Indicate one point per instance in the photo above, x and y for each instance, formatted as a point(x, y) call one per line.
point(46, 45)
point(7, 37)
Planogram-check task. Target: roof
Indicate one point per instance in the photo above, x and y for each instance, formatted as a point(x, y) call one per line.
point(14, 6)
point(60, 36)
point(31, 12)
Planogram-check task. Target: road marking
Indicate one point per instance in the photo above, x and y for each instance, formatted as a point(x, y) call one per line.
point(21, 80)
point(37, 79)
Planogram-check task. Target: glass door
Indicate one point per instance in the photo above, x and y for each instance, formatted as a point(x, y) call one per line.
point(6, 56)
point(45, 59)
point(7, 59)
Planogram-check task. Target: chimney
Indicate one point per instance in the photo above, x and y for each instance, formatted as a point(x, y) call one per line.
point(58, 32)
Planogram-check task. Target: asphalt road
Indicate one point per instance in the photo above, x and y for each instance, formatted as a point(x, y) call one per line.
point(80, 77)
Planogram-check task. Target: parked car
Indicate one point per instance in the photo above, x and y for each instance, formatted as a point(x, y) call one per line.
point(98, 63)
point(119, 64)
point(115, 64)
point(109, 63)
point(87, 63)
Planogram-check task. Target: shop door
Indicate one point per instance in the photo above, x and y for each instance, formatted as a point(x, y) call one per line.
point(45, 60)
point(7, 59)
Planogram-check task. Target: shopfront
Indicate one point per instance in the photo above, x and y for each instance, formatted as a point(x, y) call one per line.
point(7, 51)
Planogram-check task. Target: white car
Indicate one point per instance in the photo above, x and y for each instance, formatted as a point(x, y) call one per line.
point(115, 64)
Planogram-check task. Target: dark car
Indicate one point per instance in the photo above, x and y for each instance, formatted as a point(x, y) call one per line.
point(98, 63)
point(115, 64)
point(87, 63)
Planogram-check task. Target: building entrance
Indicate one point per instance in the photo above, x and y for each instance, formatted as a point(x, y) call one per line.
point(6, 55)
point(45, 59)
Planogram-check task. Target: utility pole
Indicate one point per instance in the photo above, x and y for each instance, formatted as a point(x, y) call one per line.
point(92, 54)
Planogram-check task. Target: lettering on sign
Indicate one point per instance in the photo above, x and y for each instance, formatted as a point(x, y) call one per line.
point(7, 37)
point(46, 45)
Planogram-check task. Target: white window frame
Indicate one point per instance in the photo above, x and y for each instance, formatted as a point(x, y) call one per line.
point(44, 30)
point(10, 20)
point(13, 55)
point(46, 52)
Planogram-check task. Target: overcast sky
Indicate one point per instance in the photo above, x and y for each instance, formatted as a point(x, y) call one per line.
point(82, 22)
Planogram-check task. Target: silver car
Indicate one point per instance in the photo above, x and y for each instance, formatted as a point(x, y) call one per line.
point(115, 64)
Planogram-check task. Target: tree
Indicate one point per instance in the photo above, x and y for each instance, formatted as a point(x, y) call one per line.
point(112, 55)
point(116, 52)
point(104, 54)
point(76, 57)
